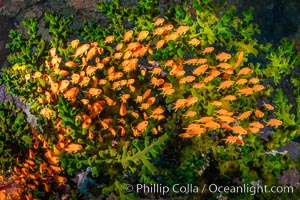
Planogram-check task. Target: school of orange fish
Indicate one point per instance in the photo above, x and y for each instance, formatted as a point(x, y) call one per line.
point(121, 70)
point(122, 103)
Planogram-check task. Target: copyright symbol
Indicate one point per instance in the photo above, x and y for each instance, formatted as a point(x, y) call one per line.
point(128, 188)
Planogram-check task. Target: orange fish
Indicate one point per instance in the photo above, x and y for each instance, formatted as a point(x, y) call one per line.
point(225, 126)
point(192, 61)
point(122, 109)
point(91, 53)
point(142, 35)
point(258, 113)
point(105, 60)
point(132, 46)
point(245, 71)
point(217, 103)
point(37, 75)
point(239, 60)
point(135, 115)
point(208, 50)
point(158, 31)
point(90, 70)
point(193, 127)
point(257, 88)
point(138, 99)
point(128, 36)
point(198, 85)
point(214, 73)
point(180, 103)
point(239, 130)
point(224, 112)
point(103, 124)
point(246, 91)
point(54, 88)
point(208, 79)
point(109, 39)
point(167, 91)
point(119, 46)
point(201, 61)
point(94, 92)
point(60, 179)
point(190, 113)
point(241, 81)
point(142, 126)
point(182, 30)
point(123, 131)
point(100, 50)
point(123, 82)
point(157, 111)
point(274, 122)
point(190, 101)
point(118, 56)
point(204, 119)
point(200, 70)
point(167, 28)
point(151, 100)
point(73, 148)
point(228, 71)
point(169, 63)
point(102, 81)
point(244, 115)
point(124, 98)
point(159, 21)
point(160, 44)
point(187, 79)
point(156, 71)
point(223, 56)
point(256, 124)
point(109, 101)
point(99, 65)
point(253, 129)
point(135, 132)
point(131, 88)
point(52, 52)
point(127, 55)
point(225, 84)
point(87, 121)
point(84, 81)
point(144, 106)
point(254, 80)
point(224, 65)
point(269, 106)
point(158, 117)
point(112, 131)
point(226, 119)
point(234, 140)
point(81, 49)
point(212, 125)
point(171, 36)
point(185, 135)
point(230, 97)
point(195, 42)
point(146, 94)
point(74, 43)
point(71, 64)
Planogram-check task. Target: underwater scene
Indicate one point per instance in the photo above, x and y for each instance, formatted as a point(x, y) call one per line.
point(149, 99)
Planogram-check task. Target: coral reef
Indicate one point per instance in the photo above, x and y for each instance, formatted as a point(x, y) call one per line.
point(125, 98)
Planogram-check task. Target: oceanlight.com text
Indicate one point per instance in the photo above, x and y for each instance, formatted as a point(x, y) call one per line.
point(212, 188)
point(250, 189)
